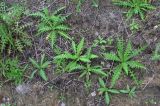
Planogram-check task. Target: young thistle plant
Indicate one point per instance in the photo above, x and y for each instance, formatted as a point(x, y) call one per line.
point(136, 7)
point(52, 24)
point(40, 67)
point(75, 59)
point(124, 58)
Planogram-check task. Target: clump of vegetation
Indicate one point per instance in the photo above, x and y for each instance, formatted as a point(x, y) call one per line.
point(74, 59)
point(52, 24)
point(40, 67)
point(124, 57)
point(129, 91)
point(134, 26)
point(11, 70)
point(88, 70)
point(12, 34)
point(106, 91)
point(136, 7)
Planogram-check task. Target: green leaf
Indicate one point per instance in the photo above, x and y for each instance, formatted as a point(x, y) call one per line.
point(113, 91)
point(42, 58)
point(124, 91)
point(128, 51)
point(125, 67)
point(102, 90)
point(80, 46)
point(135, 64)
point(52, 37)
point(116, 75)
point(111, 56)
point(66, 55)
point(101, 82)
point(93, 56)
point(74, 47)
point(84, 59)
point(59, 10)
point(72, 66)
point(33, 73)
point(64, 34)
point(120, 48)
point(83, 74)
point(35, 64)
point(45, 65)
point(107, 98)
point(62, 27)
point(100, 72)
point(43, 75)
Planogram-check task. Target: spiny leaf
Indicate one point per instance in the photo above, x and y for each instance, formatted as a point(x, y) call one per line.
point(128, 50)
point(125, 67)
point(116, 75)
point(80, 46)
point(135, 64)
point(100, 72)
point(111, 56)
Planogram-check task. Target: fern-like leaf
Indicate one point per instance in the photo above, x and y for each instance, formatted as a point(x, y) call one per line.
point(135, 64)
point(116, 75)
point(111, 56)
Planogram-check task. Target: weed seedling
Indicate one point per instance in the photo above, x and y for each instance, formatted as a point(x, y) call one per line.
point(52, 24)
point(134, 26)
point(129, 91)
point(125, 62)
point(106, 91)
point(40, 67)
point(76, 57)
point(136, 7)
point(89, 70)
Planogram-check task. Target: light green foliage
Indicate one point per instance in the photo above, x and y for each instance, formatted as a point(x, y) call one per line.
point(136, 7)
point(103, 43)
point(124, 59)
point(95, 3)
point(100, 41)
point(129, 91)
point(79, 5)
point(134, 26)
point(74, 59)
point(156, 54)
point(88, 70)
point(11, 70)
point(12, 34)
point(40, 67)
point(106, 91)
point(52, 24)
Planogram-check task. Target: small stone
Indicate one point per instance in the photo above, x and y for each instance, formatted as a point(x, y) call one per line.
point(62, 104)
point(23, 89)
point(155, 27)
point(93, 93)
